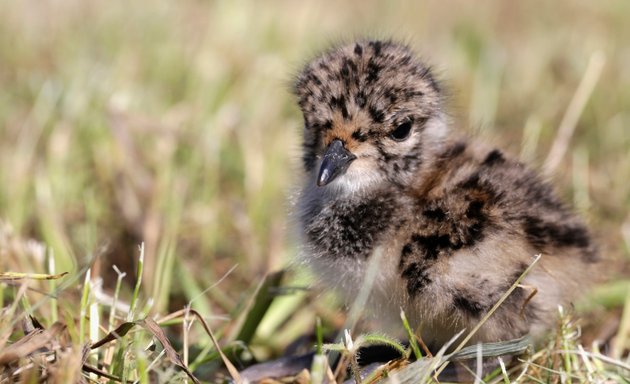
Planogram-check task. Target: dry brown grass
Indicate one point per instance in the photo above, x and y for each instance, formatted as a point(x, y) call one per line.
point(169, 124)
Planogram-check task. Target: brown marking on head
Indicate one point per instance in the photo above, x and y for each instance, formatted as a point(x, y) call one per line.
point(343, 130)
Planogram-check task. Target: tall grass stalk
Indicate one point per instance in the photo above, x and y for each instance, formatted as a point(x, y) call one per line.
point(136, 290)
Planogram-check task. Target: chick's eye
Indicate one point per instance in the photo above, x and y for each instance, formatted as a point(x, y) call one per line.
point(402, 131)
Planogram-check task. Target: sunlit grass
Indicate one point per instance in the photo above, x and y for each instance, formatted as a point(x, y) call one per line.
point(170, 124)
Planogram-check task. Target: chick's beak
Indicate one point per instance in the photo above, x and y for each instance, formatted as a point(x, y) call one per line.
point(336, 161)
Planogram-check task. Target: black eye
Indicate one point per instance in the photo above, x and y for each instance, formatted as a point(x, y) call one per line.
point(402, 131)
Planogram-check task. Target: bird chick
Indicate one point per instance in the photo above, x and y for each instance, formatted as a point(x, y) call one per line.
point(456, 222)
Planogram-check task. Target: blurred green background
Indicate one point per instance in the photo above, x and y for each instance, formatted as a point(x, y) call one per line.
point(171, 122)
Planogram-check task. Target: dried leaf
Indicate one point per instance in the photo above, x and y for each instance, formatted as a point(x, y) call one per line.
point(117, 333)
point(98, 372)
point(228, 364)
point(30, 343)
point(172, 355)
point(11, 276)
point(35, 322)
point(278, 368)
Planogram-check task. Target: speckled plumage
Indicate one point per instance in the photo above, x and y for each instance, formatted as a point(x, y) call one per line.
point(457, 221)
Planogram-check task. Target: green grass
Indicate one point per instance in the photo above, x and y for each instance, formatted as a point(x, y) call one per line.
point(170, 124)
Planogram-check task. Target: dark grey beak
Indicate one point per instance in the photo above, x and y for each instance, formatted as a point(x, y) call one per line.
point(336, 160)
